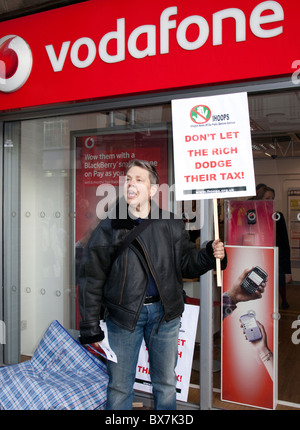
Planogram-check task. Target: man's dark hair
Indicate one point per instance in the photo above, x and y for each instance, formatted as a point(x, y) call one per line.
point(154, 178)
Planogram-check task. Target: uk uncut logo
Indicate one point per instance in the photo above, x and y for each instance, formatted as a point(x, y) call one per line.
point(200, 114)
point(15, 63)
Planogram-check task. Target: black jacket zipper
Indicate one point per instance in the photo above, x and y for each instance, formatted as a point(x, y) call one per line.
point(149, 266)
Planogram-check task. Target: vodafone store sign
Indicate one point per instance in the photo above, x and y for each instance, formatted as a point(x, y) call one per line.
point(100, 49)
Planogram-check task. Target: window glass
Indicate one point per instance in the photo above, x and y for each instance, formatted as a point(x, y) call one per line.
point(63, 162)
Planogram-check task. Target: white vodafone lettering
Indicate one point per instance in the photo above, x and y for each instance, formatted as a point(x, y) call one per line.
point(119, 36)
point(240, 22)
point(89, 43)
point(257, 19)
point(58, 63)
point(165, 26)
point(203, 32)
point(149, 30)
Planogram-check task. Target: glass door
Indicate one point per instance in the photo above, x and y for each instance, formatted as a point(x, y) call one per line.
point(44, 232)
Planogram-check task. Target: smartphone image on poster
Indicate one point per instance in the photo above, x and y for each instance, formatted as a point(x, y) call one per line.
point(253, 280)
point(250, 326)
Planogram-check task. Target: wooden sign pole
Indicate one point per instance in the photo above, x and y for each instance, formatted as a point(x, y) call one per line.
point(216, 229)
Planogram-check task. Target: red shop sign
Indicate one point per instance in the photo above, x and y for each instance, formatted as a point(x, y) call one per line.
point(101, 49)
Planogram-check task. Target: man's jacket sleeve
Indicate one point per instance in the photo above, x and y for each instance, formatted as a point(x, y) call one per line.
point(93, 276)
point(194, 262)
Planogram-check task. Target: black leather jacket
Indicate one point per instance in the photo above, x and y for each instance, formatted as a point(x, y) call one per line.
point(120, 284)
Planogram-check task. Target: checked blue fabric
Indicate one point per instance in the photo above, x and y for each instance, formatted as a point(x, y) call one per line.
point(61, 375)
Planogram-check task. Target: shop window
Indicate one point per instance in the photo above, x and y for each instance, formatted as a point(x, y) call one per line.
point(64, 163)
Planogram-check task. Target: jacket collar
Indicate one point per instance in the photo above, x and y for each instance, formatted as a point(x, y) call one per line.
point(129, 222)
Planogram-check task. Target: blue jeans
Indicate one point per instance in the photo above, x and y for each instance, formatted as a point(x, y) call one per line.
point(162, 343)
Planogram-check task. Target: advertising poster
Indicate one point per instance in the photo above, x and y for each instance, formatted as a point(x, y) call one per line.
point(212, 147)
point(249, 222)
point(101, 161)
point(249, 328)
point(186, 343)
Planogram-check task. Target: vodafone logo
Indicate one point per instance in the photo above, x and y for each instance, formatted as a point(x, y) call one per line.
point(89, 142)
point(15, 63)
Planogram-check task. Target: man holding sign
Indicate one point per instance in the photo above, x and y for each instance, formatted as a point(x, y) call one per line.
point(140, 286)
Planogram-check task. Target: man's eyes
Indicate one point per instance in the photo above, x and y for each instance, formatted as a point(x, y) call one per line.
point(136, 180)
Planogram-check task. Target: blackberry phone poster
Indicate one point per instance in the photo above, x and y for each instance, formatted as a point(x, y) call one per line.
point(249, 327)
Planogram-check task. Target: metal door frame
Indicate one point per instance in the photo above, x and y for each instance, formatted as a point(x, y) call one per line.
point(10, 263)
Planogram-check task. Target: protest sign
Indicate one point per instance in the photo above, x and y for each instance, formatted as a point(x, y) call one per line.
point(212, 147)
point(186, 343)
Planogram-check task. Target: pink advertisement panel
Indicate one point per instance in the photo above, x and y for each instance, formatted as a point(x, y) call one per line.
point(249, 222)
point(101, 162)
point(249, 328)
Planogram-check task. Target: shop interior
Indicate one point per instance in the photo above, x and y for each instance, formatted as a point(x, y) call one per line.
point(276, 145)
point(47, 150)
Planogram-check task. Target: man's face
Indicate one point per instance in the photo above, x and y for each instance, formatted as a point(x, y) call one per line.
point(137, 188)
